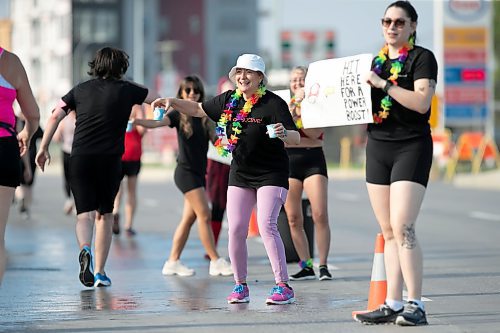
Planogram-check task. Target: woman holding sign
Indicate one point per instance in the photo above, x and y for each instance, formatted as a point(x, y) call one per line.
point(308, 173)
point(253, 124)
point(398, 159)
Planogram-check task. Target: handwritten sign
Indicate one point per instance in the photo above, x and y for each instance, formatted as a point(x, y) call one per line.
point(336, 94)
point(284, 94)
point(212, 154)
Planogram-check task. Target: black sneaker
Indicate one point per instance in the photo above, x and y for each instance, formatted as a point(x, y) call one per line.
point(86, 267)
point(116, 224)
point(304, 274)
point(324, 274)
point(383, 315)
point(412, 315)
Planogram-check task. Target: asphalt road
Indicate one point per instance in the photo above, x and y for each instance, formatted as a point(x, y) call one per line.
point(459, 229)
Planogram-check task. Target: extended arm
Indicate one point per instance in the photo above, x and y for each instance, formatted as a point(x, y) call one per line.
point(185, 106)
point(43, 155)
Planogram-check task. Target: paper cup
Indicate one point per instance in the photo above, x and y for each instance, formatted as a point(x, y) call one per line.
point(158, 113)
point(270, 131)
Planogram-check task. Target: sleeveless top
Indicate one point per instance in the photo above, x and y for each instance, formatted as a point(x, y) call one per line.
point(133, 146)
point(8, 95)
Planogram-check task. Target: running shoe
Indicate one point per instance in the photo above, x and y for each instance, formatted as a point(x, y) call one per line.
point(101, 280)
point(240, 294)
point(130, 232)
point(324, 274)
point(383, 315)
point(86, 267)
point(220, 267)
point(306, 273)
point(412, 315)
point(281, 294)
point(176, 268)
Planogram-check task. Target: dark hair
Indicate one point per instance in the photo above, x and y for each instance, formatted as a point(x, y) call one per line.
point(185, 123)
point(197, 84)
point(109, 63)
point(410, 11)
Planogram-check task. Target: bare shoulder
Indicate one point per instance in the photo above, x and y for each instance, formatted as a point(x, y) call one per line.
point(13, 70)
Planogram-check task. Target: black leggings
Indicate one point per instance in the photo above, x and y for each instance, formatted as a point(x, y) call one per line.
point(391, 161)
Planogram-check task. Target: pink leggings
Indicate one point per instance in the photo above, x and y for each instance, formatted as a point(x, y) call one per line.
point(240, 202)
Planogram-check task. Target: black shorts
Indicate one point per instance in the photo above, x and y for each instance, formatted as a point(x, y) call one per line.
point(391, 161)
point(186, 180)
point(10, 162)
point(131, 168)
point(305, 162)
point(95, 180)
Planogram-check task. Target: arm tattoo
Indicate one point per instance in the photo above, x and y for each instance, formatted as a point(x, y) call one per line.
point(409, 238)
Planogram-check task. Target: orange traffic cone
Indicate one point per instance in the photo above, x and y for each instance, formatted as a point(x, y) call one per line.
point(378, 283)
point(253, 227)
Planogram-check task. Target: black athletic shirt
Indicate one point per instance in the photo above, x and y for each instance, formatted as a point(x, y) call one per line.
point(192, 154)
point(257, 159)
point(102, 110)
point(403, 123)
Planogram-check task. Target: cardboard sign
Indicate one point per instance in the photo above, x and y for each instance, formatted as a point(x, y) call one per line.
point(335, 94)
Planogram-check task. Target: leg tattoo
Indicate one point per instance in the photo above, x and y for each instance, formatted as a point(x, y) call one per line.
point(409, 238)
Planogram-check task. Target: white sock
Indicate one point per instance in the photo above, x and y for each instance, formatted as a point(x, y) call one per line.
point(418, 302)
point(393, 304)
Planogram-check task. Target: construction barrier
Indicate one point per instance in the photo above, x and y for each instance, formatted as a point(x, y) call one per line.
point(473, 147)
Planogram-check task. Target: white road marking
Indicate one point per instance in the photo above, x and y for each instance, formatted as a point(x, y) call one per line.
point(485, 216)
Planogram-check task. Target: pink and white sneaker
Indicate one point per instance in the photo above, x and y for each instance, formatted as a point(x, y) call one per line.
point(240, 294)
point(281, 294)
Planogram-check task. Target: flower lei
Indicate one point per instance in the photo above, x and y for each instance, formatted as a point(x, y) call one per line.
point(297, 119)
point(226, 117)
point(396, 68)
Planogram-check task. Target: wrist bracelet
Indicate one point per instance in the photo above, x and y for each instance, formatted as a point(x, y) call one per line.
point(388, 85)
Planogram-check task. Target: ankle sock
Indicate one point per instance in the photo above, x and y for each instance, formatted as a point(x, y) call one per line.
point(393, 304)
point(306, 264)
point(418, 302)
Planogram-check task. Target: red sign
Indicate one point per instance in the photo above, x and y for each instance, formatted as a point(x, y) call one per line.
point(477, 74)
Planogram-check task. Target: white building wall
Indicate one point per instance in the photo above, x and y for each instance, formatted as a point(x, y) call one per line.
point(41, 37)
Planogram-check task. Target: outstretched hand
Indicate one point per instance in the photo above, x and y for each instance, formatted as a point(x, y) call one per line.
point(161, 103)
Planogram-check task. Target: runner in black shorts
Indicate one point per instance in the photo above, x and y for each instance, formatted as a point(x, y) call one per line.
point(102, 105)
point(398, 159)
point(193, 135)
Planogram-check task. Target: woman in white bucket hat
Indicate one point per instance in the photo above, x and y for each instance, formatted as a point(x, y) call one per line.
point(253, 125)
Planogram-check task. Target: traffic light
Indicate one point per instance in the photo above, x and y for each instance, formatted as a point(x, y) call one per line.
point(330, 44)
point(286, 49)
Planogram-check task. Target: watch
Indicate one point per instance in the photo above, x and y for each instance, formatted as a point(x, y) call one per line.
point(388, 85)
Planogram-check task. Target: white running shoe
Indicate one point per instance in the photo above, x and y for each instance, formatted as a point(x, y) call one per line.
point(220, 267)
point(176, 267)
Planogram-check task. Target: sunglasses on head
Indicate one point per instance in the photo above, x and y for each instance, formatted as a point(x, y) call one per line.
point(398, 23)
point(188, 90)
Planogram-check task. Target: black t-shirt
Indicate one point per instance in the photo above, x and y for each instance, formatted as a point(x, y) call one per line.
point(192, 154)
point(102, 108)
point(403, 123)
point(257, 160)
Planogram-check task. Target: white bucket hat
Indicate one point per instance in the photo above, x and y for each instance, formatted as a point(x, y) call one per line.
point(249, 61)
